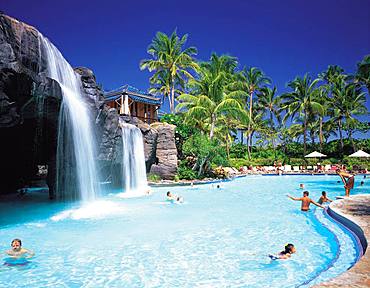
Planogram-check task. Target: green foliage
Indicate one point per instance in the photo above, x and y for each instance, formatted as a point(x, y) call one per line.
point(182, 129)
point(238, 150)
point(176, 178)
point(205, 151)
point(153, 177)
point(171, 62)
point(182, 132)
point(239, 162)
point(186, 173)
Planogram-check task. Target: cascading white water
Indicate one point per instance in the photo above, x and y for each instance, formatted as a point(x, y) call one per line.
point(133, 166)
point(77, 175)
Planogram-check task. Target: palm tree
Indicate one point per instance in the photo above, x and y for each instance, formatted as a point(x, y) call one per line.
point(171, 63)
point(363, 72)
point(212, 95)
point(321, 96)
point(254, 80)
point(270, 103)
point(301, 102)
point(355, 105)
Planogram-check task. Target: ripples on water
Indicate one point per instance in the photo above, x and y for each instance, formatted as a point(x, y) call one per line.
point(217, 238)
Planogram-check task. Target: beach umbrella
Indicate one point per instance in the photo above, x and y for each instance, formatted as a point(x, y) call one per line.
point(315, 154)
point(360, 154)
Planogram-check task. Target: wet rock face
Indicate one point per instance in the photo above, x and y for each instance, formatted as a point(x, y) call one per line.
point(166, 152)
point(29, 107)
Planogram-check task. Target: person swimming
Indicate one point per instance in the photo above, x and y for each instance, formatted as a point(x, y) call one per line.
point(18, 255)
point(289, 249)
point(301, 186)
point(324, 198)
point(306, 201)
point(362, 183)
point(174, 198)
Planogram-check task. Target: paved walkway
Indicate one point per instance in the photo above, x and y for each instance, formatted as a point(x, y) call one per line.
point(357, 209)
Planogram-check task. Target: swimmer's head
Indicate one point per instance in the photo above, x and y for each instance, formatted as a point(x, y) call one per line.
point(306, 193)
point(289, 248)
point(323, 193)
point(16, 244)
point(168, 193)
point(218, 186)
point(301, 186)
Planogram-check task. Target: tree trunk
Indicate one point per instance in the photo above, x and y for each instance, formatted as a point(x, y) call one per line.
point(250, 142)
point(305, 134)
point(213, 121)
point(172, 102)
point(249, 124)
point(272, 130)
point(340, 134)
point(320, 134)
point(352, 141)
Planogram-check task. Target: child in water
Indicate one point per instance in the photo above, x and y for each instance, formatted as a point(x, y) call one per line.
point(18, 252)
point(289, 249)
point(171, 197)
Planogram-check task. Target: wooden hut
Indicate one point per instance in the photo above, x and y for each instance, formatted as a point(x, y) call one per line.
point(128, 100)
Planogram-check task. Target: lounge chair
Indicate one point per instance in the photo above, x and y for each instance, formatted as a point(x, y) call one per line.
point(287, 168)
point(296, 169)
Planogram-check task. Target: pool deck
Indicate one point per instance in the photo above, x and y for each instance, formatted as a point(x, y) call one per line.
point(357, 209)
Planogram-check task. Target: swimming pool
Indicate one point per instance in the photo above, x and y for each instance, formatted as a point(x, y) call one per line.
point(217, 238)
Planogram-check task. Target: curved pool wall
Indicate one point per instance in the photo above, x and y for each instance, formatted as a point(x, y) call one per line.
point(354, 229)
point(214, 227)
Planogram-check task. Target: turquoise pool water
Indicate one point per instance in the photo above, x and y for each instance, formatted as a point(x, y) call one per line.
point(216, 238)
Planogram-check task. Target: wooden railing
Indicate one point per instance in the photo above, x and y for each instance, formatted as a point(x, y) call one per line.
point(146, 120)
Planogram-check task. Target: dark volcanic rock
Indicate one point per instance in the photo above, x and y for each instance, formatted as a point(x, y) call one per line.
point(166, 152)
point(29, 107)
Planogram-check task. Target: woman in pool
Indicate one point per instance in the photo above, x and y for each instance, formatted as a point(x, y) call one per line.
point(289, 249)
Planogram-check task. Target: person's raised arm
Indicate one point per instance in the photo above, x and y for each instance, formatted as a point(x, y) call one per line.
point(293, 198)
point(317, 204)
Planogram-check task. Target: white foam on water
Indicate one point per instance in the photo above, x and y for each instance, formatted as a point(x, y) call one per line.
point(93, 210)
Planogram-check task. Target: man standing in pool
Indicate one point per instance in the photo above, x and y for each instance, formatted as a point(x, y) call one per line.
point(306, 201)
point(347, 179)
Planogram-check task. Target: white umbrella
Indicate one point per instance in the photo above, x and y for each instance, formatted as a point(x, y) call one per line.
point(315, 154)
point(360, 153)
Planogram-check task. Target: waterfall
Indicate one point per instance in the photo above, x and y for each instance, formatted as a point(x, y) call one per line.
point(133, 162)
point(77, 176)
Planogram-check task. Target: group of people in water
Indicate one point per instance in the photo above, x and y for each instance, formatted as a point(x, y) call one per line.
point(348, 181)
point(18, 252)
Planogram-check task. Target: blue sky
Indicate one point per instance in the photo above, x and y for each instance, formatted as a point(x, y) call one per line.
point(284, 38)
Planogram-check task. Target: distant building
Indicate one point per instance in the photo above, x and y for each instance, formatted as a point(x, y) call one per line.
point(128, 100)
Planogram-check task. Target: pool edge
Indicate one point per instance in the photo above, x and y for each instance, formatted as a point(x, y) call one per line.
point(354, 214)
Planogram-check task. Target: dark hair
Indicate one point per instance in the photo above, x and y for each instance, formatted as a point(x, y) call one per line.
point(287, 249)
point(323, 193)
point(306, 193)
point(218, 186)
point(16, 240)
point(168, 193)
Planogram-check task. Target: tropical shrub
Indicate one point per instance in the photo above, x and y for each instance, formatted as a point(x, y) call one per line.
point(238, 150)
point(185, 172)
point(205, 151)
point(153, 177)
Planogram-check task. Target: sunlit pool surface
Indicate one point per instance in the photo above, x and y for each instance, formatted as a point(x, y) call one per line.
point(216, 238)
